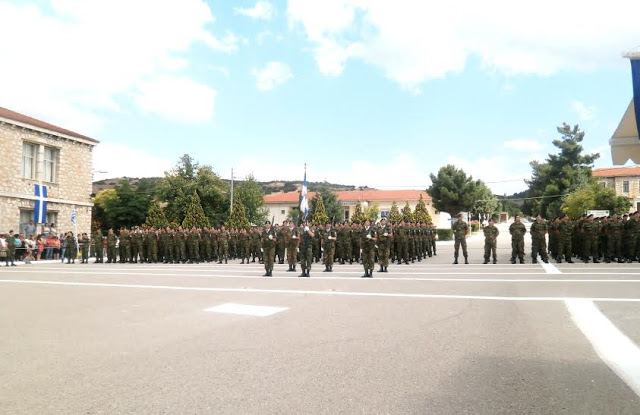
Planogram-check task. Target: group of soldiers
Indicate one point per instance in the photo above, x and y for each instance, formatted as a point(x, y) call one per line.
point(346, 242)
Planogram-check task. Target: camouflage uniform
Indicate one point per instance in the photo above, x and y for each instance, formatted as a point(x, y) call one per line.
point(538, 241)
point(368, 244)
point(491, 233)
point(329, 247)
point(460, 229)
point(268, 238)
point(384, 236)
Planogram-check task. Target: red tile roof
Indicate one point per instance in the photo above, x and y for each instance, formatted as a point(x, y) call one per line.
point(353, 196)
point(617, 172)
point(15, 116)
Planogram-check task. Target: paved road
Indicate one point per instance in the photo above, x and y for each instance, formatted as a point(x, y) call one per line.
point(429, 337)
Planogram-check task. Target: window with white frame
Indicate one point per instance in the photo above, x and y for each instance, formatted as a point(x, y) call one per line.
point(29, 152)
point(625, 186)
point(50, 164)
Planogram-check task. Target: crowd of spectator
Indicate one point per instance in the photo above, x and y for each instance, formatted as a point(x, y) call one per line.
point(31, 246)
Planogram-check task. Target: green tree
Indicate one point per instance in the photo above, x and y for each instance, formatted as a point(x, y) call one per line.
point(294, 215)
point(394, 214)
point(407, 215)
point(486, 204)
point(420, 213)
point(331, 204)
point(156, 217)
point(358, 214)
point(238, 218)
point(372, 211)
point(250, 194)
point(177, 186)
point(195, 214)
point(594, 197)
point(561, 173)
point(128, 208)
point(452, 191)
point(99, 217)
point(320, 216)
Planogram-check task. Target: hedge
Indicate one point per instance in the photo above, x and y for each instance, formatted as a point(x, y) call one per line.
point(444, 234)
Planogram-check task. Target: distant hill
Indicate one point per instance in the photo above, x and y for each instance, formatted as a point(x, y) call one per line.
point(274, 186)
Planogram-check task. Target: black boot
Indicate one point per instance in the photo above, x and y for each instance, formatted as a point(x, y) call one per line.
point(242, 262)
point(290, 268)
point(381, 269)
point(455, 261)
point(486, 261)
point(513, 260)
point(521, 260)
point(366, 274)
point(326, 268)
point(386, 269)
point(595, 260)
point(330, 268)
point(466, 261)
point(495, 261)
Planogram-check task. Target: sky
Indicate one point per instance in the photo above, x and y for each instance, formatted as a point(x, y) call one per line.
point(365, 92)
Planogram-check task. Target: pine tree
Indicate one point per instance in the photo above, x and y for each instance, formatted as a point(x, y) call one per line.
point(358, 214)
point(195, 214)
point(406, 213)
point(320, 216)
point(394, 214)
point(156, 216)
point(420, 213)
point(238, 218)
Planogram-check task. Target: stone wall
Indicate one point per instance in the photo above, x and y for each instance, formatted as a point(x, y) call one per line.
point(71, 187)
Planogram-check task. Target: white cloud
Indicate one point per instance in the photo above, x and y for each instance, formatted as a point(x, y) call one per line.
point(177, 99)
point(415, 41)
point(502, 174)
point(523, 144)
point(72, 61)
point(272, 75)
point(262, 10)
point(131, 162)
point(585, 112)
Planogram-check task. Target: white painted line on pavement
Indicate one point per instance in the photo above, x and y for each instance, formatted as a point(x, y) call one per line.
point(613, 347)
point(245, 309)
point(550, 268)
point(331, 293)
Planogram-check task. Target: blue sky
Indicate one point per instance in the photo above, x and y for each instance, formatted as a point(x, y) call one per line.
point(370, 93)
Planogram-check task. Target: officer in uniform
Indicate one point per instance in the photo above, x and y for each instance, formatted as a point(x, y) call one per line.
point(539, 231)
point(268, 238)
point(97, 245)
point(460, 229)
point(368, 239)
point(293, 240)
point(491, 233)
point(384, 235)
point(329, 247)
point(517, 231)
point(306, 249)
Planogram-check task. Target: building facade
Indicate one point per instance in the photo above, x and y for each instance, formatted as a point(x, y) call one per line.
point(36, 152)
point(280, 204)
point(624, 180)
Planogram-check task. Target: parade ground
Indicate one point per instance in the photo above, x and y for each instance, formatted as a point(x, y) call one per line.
point(424, 338)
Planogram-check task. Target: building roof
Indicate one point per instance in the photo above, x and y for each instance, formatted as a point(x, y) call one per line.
point(352, 196)
point(625, 143)
point(24, 119)
point(617, 172)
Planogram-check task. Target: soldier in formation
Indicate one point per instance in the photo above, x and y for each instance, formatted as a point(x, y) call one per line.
point(491, 233)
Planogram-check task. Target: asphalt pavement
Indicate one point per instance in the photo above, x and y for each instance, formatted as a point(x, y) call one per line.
point(425, 338)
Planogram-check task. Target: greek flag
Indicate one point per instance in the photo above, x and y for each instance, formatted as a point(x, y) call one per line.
point(635, 77)
point(40, 209)
point(304, 202)
point(73, 216)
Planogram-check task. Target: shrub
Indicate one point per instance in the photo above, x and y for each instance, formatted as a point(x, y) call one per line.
point(444, 234)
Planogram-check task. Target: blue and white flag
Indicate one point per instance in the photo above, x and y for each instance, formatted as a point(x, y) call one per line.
point(635, 77)
point(304, 202)
point(40, 210)
point(73, 216)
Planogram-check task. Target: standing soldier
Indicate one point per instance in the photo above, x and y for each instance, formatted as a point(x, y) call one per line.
point(565, 229)
point(329, 247)
point(517, 231)
point(460, 229)
point(112, 239)
point(383, 237)
point(316, 242)
point(152, 245)
point(293, 240)
point(491, 233)
point(368, 239)
point(223, 245)
point(402, 246)
point(281, 242)
point(538, 231)
point(255, 244)
point(432, 238)
point(355, 243)
point(97, 246)
point(306, 249)
point(268, 238)
point(85, 241)
point(70, 246)
point(615, 236)
point(244, 245)
point(591, 235)
point(11, 249)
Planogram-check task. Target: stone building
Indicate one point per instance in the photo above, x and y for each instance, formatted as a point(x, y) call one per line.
point(624, 180)
point(35, 152)
point(279, 204)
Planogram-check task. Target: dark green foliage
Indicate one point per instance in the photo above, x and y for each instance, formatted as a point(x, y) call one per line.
point(444, 234)
point(250, 194)
point(195, 214)
point(420, 213)
point(358, 214)
point(156, 217)
point(394, 214)
point(238, 218)
point(452, 191)
point(560, 174)
point(331, 205)
point(407, 215)
point(320, 216)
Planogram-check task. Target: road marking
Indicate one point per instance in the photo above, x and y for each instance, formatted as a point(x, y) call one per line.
point(550, 268)
point(245, 309)
point(331, 293)
point(613, 347)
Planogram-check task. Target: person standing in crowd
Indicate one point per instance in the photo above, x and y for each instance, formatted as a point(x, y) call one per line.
point(70, 248)
point(293, 242)
point(306, 249)
point(268, 238)
point(84, 242)
point(97, 245)
point(491, 233)
point(539, 231)
point(112, 241)
point(10, 241)
point(460, 230)
point(368, 240)
point(384, 235)
point(30, 230)
point(329, 247)
point(517, 231)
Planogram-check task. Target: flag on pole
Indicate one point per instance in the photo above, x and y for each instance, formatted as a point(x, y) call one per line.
point(73, 216)
point(635, 77)
point(40, 209)
point(304, 203)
